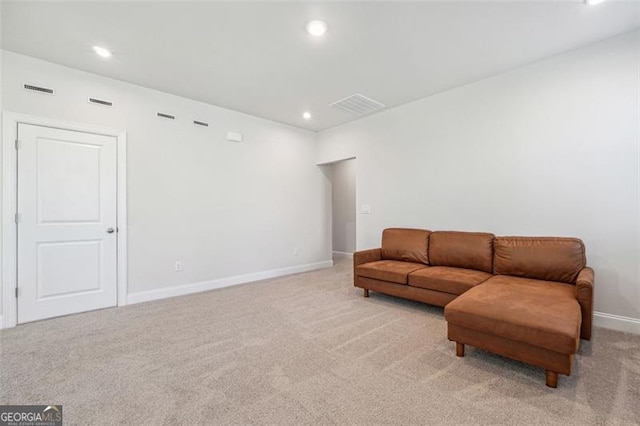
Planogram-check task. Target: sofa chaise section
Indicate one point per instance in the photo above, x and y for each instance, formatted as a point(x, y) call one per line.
point(530, 310)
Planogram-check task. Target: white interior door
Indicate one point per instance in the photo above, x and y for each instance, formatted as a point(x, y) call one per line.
point(67, 231)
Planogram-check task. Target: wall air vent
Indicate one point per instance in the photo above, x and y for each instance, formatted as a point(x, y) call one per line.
point(101, 102)
point(38, 89)
point(357, 104)
point(200, 123)
point(163, 115)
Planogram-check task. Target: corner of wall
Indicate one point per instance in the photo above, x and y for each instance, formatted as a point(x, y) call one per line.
point(332, 146)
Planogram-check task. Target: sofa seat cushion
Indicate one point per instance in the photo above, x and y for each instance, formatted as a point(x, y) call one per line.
point(393, 271)
point(447, 279)
point(541, 313)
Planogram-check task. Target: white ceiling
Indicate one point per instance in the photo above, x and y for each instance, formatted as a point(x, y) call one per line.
point(257, 58)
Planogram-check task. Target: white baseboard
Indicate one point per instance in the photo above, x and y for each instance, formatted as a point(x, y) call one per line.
point(616, 322)
point(343, 254)
point(163, 293)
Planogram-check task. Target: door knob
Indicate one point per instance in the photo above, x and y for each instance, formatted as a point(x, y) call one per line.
point(110, 230)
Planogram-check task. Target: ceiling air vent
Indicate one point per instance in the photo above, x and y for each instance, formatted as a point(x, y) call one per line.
point(101, 102)
point(163, 115)
point(200, 123)
point(357, 104)
point(38, 89)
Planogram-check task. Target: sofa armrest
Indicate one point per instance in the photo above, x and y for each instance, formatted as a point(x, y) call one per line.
point(365, 256)
point(584, 294)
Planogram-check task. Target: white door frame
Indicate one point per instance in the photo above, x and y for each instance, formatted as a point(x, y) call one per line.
point(10, 121)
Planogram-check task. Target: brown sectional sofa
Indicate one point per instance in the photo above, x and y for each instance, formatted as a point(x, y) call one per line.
point(527, 298)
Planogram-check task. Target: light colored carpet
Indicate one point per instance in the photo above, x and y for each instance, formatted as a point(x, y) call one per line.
point(303, 349)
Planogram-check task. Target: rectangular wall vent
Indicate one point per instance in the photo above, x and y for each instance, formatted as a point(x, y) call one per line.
point(38, 89)
point(163, 115)
point(101, 102)
point(357, 104)
point(200, 123)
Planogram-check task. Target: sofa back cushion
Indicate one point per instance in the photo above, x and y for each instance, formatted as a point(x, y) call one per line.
point(543, 258)
point(469, 250)
point(409, 245)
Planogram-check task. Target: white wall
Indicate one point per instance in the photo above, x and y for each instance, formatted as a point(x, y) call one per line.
point(343, 201)
point(224, 208)
point(548, 149)
point(1, 109)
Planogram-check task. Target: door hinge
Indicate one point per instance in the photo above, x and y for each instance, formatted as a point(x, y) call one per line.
point(18, 144)
point(17, 218)
point(17, 292)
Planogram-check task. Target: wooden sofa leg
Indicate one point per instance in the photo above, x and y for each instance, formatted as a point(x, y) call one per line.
point(366, 292)
point(459, 349)
point(552, 379)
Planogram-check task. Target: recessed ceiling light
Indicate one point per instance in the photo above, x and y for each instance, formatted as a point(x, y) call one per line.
point(316, 28)
point(592, 2)
point(306, 115)
point(101, 51)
